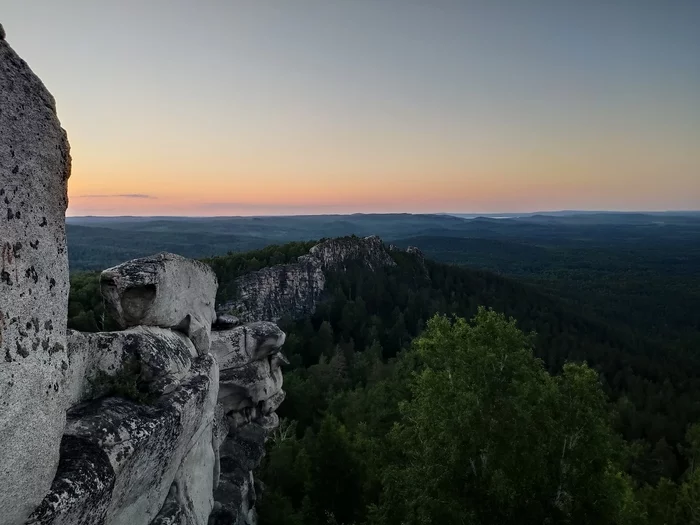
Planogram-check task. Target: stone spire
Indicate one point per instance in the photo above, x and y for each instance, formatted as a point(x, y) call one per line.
point(34, 167)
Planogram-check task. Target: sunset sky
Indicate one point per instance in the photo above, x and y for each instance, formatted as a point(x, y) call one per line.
point(257, 107)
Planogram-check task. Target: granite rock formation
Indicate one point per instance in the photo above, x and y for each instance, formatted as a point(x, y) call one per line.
point(160, 423)
point(165, 290)
point(34, 169)
point(294, 290)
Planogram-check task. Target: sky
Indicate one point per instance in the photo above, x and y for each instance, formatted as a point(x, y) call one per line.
point(255, 107)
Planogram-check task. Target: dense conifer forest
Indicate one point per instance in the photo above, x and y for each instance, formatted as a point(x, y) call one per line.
point(436, 393)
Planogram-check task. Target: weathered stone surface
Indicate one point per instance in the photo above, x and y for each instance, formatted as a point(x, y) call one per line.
point(240, 454)
point(162, 357)
point(85, 480)
point(225, 322)
point(271, 293)
point(164, 290)
point(173, 512)
point(294, 290)
point(245, 343)
point(191, 497)
point(195, 479)
point(335, 253)
point(34, 168)
point(138, 451)
point(250, 385)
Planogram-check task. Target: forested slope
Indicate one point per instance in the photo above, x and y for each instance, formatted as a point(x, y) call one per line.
point(352, 365)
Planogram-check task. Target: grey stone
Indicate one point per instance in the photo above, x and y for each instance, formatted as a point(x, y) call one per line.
point(163, 357)
point(34, 167)
point(250, 342)
point(334, 254)
point(130, 455)
point(225, 322)
point(250, 385)
point(271, 293)
point(165, 290)
point(293, 290)
point(236, 495)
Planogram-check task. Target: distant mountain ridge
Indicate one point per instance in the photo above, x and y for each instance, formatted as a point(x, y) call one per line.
point(97, 242)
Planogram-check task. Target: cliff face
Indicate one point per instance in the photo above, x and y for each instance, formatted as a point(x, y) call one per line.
point(294, 290)
point(34, 168)
point(159, 423)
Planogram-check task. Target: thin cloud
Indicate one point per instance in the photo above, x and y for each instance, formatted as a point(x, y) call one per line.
point(260, 205)
point(118, 195)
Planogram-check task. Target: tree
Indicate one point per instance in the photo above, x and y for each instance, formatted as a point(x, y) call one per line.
point(490, 437)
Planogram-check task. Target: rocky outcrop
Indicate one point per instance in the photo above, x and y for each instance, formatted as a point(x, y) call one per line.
point(250, 390)
point(251, 378)
point(294, 290)
point(34, 167)
point(160, 358)
point(271, 293)
point(164, 461)
point(142, 426)
point(164, 290)
point(334, 254)
point(135, 453)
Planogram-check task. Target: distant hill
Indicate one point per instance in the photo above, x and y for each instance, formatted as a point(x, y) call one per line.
point(97, 242)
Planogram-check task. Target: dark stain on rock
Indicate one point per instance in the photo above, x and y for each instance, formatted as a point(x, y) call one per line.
point(57, 347)
point(34, 244)
point(5, 277)
point(30, 273)
point(48, 325)
point(21, 350)
point(43, 222)
point(82, 468)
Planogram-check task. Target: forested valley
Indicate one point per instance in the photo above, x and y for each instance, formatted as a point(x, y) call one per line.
point(436, 393)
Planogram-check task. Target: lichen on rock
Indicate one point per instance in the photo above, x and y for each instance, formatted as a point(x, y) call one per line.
point(34, 167)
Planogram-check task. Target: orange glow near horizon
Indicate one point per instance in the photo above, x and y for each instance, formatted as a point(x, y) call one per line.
point(276, 108)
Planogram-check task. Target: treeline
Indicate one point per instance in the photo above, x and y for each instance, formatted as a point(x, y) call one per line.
point(646, 279)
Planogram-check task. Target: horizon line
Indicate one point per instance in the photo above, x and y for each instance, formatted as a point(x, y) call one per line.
point(473, 214)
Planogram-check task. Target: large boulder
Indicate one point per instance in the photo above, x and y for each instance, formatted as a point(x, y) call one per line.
point(161, 359)
point(165, 290)
point(250, 359)
point(245, 343)
point(34, 167)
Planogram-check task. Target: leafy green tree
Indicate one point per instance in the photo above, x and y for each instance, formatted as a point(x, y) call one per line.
point(490, 437)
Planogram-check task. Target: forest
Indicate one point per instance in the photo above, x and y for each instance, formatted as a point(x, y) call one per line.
point(440, 393)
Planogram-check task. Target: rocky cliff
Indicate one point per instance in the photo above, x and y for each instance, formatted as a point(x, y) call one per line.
point(159, 423)
point(294, 290)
